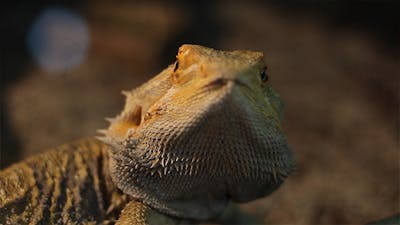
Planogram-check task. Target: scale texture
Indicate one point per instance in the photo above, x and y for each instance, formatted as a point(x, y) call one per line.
point(66, 185)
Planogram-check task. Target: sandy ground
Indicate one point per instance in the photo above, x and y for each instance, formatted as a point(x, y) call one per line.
point(340, 89)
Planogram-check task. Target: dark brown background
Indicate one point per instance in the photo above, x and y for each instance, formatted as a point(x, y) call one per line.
point(336, 64)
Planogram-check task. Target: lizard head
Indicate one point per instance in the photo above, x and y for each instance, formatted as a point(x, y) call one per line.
point(206, 130)
point(199, 70)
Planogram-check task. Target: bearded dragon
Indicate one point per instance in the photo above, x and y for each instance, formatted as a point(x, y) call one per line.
point(205, 131)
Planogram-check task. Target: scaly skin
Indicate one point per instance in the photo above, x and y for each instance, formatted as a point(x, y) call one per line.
point(67, 185)
point(205, 131)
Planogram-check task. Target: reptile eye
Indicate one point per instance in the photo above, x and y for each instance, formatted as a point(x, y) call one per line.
point(264, 75)
point(176, 65)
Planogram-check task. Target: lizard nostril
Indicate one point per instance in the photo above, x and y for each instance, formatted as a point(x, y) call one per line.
point(220, 81)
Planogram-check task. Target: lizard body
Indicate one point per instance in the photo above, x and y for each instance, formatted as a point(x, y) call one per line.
point(205, 131)
point(67, 185)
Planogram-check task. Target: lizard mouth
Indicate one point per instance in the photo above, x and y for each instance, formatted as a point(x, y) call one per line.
point(220, 82)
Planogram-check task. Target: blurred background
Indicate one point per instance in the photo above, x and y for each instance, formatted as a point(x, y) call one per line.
point(335, 63)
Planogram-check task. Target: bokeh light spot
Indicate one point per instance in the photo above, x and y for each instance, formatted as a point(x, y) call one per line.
point(58, 39)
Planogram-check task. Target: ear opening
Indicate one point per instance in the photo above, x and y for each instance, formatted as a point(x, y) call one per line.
point(122, 126)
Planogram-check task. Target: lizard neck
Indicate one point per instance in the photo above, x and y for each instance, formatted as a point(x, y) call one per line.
point(114, 198)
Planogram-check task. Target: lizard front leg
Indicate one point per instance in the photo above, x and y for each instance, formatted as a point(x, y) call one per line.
point(137, 213)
